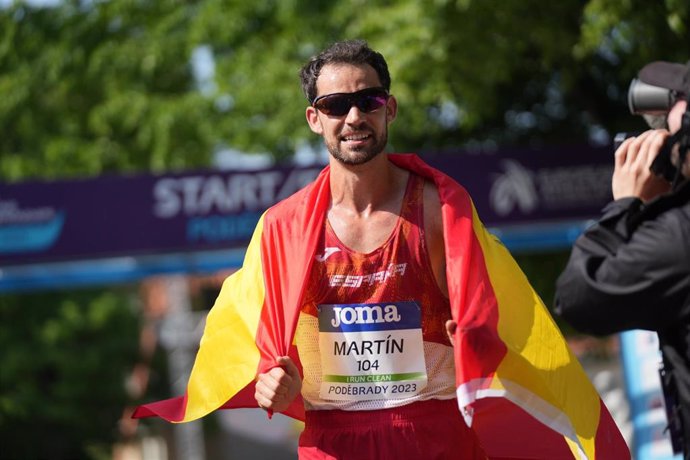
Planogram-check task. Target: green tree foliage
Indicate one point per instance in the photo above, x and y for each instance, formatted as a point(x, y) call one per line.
point(92, 87)
point(99, 87)
point(64, 360)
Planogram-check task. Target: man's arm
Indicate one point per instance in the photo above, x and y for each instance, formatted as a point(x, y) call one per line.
point(619, 278)
point(622, 275)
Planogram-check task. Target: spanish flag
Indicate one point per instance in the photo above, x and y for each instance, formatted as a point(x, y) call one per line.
point(518, 384)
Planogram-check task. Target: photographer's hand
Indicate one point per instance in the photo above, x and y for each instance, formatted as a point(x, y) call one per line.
point(632, 176)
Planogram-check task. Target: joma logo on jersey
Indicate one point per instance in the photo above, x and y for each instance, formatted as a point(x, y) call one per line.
point(365, 314)
point(369, 279)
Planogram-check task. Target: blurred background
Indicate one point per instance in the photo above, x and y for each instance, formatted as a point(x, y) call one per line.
point(140, 140)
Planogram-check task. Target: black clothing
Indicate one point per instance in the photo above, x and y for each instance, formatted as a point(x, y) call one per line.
point(631, 270)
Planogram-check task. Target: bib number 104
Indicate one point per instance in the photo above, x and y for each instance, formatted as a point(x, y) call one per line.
point(366, 365)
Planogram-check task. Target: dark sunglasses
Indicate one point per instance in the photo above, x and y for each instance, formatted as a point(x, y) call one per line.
point(339, 104)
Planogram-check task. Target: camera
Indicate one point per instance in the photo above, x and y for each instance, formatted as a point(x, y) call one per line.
point(652, 101)
point(646, 99)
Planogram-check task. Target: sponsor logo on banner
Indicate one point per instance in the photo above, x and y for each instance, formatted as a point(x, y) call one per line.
point(519, 189)
point(28, 229)
point(221, 208)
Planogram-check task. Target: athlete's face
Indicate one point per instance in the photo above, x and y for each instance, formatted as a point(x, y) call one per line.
point(355, 137)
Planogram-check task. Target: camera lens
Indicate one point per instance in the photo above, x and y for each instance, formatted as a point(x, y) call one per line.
point(649, 99)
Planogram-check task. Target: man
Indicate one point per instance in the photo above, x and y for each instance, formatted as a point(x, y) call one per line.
point(632, 269)
point(352, 291)
point(382, 219)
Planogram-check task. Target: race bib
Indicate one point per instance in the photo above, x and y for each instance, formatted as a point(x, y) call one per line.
point(371, 351)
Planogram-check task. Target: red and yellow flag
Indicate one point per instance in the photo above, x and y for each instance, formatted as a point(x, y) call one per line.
point(518, 384)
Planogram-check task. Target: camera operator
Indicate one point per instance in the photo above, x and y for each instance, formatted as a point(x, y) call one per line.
point(631, 270)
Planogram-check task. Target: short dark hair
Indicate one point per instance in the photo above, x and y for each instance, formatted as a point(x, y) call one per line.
point(356, 52)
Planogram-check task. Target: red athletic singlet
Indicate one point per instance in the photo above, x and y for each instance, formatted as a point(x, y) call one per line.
point(399, 270)
point(423, 425)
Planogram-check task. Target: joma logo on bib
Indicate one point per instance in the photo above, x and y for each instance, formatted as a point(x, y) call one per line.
point(380, 316)
point(366, 314)
point(371, 351)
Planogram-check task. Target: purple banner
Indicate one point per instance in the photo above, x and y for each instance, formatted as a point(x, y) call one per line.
point(202, 211)
point(136, 215)
point(514, 187)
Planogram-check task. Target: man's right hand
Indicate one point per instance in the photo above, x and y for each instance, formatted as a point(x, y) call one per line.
point(276, 389)
point(632, 176)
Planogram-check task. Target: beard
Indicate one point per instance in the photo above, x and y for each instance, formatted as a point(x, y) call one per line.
point(358, 155)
